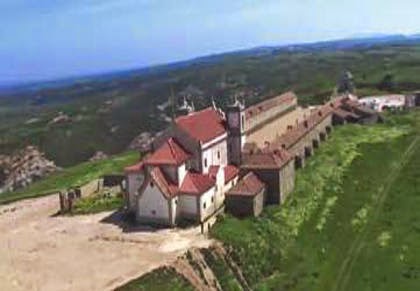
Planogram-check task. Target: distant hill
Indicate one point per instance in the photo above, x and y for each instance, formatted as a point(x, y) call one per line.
point(355, 42)
point(106, 112)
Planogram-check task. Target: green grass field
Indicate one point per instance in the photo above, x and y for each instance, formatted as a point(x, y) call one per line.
point(351, 223)
point(97, 203)
point(73, 176)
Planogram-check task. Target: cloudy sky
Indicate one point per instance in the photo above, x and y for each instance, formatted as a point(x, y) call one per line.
point(47, 39)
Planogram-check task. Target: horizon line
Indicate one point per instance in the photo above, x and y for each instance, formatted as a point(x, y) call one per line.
point(73, 77)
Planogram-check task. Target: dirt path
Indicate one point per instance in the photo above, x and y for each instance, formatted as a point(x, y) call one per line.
point(42, 252)
point(358, 244)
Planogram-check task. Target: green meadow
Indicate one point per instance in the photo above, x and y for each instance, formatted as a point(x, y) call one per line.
point(351, 223)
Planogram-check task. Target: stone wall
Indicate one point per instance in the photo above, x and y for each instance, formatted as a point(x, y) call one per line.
point(287, 180)
point(271, 178)
point(242, 206)
point(304, 148)
point(273, 128)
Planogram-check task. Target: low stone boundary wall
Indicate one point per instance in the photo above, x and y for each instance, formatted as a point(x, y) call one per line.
point(112, 183)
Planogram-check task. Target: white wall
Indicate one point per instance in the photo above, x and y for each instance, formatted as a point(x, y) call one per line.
point(174, 203)
point(134, 181)
point(220, 183)
point(210, 205)
point(182, 171)
point(230, 184)
point(211, 154)
point(153, 200)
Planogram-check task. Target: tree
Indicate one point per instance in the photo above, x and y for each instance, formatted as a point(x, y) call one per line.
point(346, 83)
point(387, 83)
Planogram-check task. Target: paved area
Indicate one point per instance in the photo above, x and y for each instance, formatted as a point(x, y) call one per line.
point(40, 251)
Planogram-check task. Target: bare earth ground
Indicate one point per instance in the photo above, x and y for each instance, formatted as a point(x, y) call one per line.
point(41, 252)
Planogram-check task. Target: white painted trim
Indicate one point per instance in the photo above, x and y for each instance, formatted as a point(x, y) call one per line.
point(216, 140)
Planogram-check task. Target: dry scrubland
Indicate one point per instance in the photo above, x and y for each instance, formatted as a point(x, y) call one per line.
point(351, 224)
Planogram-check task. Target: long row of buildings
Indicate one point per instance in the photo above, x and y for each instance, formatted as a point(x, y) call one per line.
point(239, 159)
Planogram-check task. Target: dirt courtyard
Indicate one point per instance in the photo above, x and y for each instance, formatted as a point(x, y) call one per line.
point(41, 252)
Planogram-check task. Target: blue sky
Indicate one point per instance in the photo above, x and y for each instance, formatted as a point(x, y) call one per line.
point(47, 39)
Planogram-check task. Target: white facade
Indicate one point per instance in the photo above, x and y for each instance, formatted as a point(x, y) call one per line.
point(214, 155)
point(207, 204)
point(182, 172)
point(220, 188)
point(153, 206)
point(379, 103)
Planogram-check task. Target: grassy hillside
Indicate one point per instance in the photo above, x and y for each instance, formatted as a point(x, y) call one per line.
point(73, 176)
point(350, 224)
point(107, 114)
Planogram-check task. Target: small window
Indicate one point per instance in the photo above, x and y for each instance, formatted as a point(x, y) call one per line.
point(204, 205)
point(243, 121)
point(153, 212)
point(205, 162)
point(218, 155)
point(152, 185)
point(212, 199)
point(176, 201)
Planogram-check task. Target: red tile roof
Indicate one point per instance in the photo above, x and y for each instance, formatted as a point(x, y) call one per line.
point(344, 113)
point(170, 153)
point(196, 184)
point(167, 188)
point(249, 185)
point(254, 110)
point(266, 160)
point(134, 168)
point(203, 125)
point(291, 137)
point(213, 170)
point(230, 173)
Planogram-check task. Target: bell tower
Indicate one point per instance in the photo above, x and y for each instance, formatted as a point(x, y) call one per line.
point(235, 115)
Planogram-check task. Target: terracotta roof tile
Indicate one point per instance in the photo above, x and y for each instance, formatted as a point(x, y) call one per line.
point(203, 125)
point(249, 185)
point(196, 184)
point(213, 170)
point(230, 172)
point(168, 189)
point(266, 160)
point(292, 136)
point(254, 110)
point(169, 153)
point(344, 113)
